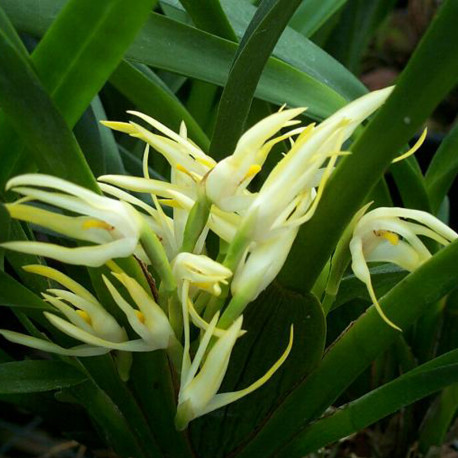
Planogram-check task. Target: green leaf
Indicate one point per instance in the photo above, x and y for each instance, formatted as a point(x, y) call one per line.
point(106, 414)
point(367, 338)
point(372, 407)
point(267, 321)
point(98, 142)
point(104, 373)
point(83, 46)
point(356, 26)
point(438, 419)
point(169, 45)
point(37, 376)
point(151, 96)
point(411, 184)
point(13, 294)
point(297, 51)
point(209, 16)
point(37, 120)
point(260, 37)
point(312, 14)
point(428, 77)
point(81, 49)
point(383, 279)
point(443, 169)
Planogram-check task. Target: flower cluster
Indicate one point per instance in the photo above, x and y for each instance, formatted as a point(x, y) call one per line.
point(167, 236)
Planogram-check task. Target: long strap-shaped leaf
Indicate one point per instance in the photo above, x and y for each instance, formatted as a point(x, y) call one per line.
point(375, 405)
point(169, 45)
point(76, 56)
point(429, 76)
point(37, 376)
point(355, 349)
point(255, 48)
point(37, 120)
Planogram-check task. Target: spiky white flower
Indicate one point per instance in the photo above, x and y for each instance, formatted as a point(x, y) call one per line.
point(392, 235)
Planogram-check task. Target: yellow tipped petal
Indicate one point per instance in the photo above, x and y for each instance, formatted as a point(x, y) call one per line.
point(124, 127)
point(378, 307)
point(220, 400)
point(252, 171)
point(61, 278)
point(414, 148)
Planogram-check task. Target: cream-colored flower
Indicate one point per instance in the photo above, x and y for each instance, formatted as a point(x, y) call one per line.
point(201, 380)
point(227, 182)
point(79, 315)
point(392, 235)
point(111, 226)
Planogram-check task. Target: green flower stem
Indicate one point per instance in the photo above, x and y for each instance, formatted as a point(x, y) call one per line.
point(233, 256)
point(156, 254)
point(195, 224)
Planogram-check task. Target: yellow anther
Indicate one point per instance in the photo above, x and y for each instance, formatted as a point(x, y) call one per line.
point(85, 316)
point(203, 285)
point(252, 171)
point(183, 169)
point(206, 162)
point(170, 203)
point(140, 316)
point(95, 223)
point(388, 235)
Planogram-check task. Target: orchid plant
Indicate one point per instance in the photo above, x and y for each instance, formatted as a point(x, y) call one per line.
point(181, 301)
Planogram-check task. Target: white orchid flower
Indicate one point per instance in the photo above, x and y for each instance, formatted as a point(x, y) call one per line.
point(227, 182)
point(284, 199)
point(200, 271)
point(382, 236)
point(201, 380)
point(113, 227)
point(85, 320)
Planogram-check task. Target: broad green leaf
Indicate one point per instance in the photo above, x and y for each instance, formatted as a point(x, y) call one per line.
point(153, 385)
point(35, 376)
point(430, 74)
point(110, 421)
point(443, 169)
point(175, 47)
point(367, 338)
point(260, 37)
point(296, 50)
point(109, 385)
point(312, 14)
point(151, 96)
point(268, 322)
point(75, 58)
point(372, 407)
point(13, 294)
point(37, 120)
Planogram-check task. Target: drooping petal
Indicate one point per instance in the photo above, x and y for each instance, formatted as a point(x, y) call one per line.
point(44, 345)
point(223, 399)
